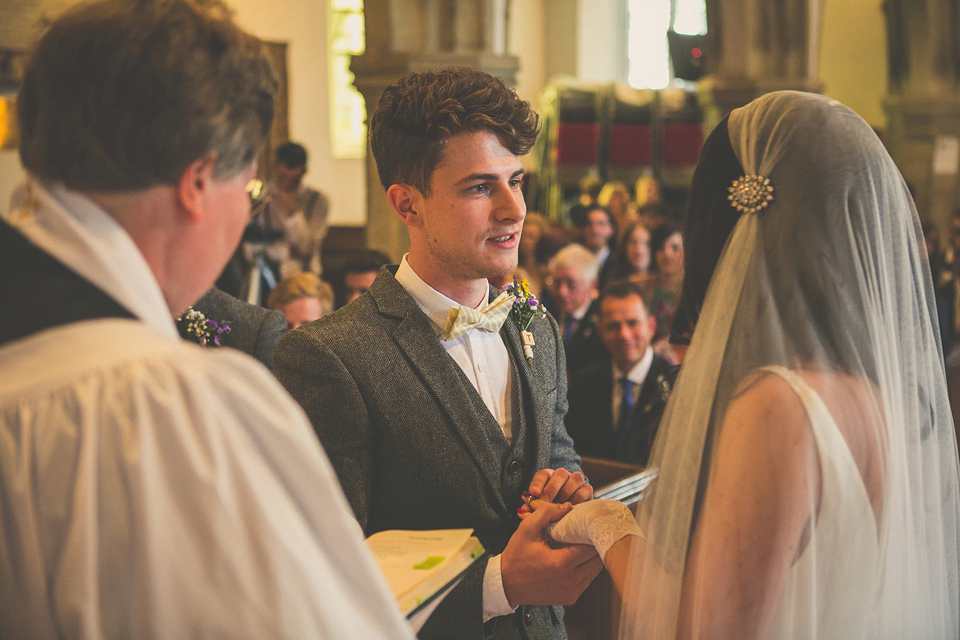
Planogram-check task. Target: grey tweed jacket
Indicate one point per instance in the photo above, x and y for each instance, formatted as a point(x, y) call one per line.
point(415, 447)
point(253, 330)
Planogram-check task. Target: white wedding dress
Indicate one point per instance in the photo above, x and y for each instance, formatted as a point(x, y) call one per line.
point(845, 521)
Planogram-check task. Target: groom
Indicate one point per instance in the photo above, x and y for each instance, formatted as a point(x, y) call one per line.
point(429, 424)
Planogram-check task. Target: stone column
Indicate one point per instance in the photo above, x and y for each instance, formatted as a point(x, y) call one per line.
point(404, 36)
point(758, 46)
point(923, 104)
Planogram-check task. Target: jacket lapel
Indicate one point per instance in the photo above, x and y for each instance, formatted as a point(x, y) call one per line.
point(440, 374)
point(531, 393)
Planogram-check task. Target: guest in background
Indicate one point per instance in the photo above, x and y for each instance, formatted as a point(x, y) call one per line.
point(151, 488)
point(666, 244)
point(590, 186)
point(297, 210)
point(649, 201)
point(286, 236)
point(358, 273)
point(632, 258)
point(615, 197)
point(616, 403)
point(552, 240)
point(573, 290)
point(534, 226)
point(599, 235)
point(239, 325)
point(302, 298)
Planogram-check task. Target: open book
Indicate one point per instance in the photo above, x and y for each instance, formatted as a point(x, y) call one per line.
point(420, 564)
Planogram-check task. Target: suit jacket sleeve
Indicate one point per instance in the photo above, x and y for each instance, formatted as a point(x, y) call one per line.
point(319, 381)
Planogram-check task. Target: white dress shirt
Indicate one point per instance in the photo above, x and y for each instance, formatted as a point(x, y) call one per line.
point(637, 375)
point(484, 359)
point(151, 488)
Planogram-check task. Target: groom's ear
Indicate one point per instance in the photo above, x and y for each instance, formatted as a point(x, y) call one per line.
point(405, 200)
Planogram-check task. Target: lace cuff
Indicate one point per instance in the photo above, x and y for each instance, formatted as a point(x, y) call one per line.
point(600, 523)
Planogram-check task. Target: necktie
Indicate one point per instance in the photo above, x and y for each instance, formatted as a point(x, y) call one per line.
point(626, 409)
point(489, 317)
point(569, 325)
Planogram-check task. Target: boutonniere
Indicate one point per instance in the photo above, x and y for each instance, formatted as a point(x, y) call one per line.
point(525, 309)
point(195, 327)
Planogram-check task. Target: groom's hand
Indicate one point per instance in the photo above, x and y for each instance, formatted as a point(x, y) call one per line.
point(535, 573)
point(559, 485)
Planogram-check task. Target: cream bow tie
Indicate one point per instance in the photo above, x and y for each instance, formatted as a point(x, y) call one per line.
point(489, 317)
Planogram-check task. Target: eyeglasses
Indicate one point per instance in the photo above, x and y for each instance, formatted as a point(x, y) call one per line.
point(259, 197)
point(556, 283)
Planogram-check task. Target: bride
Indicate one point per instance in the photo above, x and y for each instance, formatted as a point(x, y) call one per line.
point(807, 463)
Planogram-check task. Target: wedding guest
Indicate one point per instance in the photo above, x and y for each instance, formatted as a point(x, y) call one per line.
point(666, 244)
point(357, 274)
point(573, 290)
point(616, 198)
point(151, 488)
point(599, 234)
point(302, 297)
point(616, 403)
point(632, 259)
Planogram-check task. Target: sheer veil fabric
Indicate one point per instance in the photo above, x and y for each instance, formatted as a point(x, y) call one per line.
point(829, 282)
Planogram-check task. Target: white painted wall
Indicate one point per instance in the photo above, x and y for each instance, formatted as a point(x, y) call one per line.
point(302, 24)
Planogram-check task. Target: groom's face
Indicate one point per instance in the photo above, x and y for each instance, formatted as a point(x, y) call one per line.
point(471, 221)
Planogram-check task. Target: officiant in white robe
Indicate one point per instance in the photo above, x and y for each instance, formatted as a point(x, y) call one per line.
point(150, 488)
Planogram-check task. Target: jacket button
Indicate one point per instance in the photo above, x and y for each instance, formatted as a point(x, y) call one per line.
point(527, 616)
point(514, 467)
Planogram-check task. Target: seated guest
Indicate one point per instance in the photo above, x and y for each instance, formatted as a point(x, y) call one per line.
point(616, 404)
point(358, 273)
point(666, 244)
point(151, 488)
point(303, 298)
point(632, 258)
point(238, 324)
point(573, 289)
point(599, 234)
point(616, 198)
point(553, 239)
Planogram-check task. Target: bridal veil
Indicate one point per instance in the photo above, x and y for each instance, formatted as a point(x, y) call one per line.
point(826, 276)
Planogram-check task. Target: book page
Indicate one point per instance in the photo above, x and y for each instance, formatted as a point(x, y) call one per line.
point(405, 557)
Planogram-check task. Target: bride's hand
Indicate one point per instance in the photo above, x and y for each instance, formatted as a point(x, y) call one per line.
point(600, 523)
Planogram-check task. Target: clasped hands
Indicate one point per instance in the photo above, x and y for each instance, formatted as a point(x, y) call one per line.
point(536, 570)
point(588, 531)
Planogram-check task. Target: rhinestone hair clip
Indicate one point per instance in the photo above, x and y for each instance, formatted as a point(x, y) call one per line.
point(750, 193)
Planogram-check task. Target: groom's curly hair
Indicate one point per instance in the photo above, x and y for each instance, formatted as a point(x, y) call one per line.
point(417, 115)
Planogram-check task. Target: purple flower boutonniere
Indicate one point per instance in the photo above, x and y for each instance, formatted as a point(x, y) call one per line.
point(525, 309)
point(195, 327)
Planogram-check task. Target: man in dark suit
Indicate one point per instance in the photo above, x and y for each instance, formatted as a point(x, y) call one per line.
point(430, 424)
point(253, 329)
point(616, 404)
